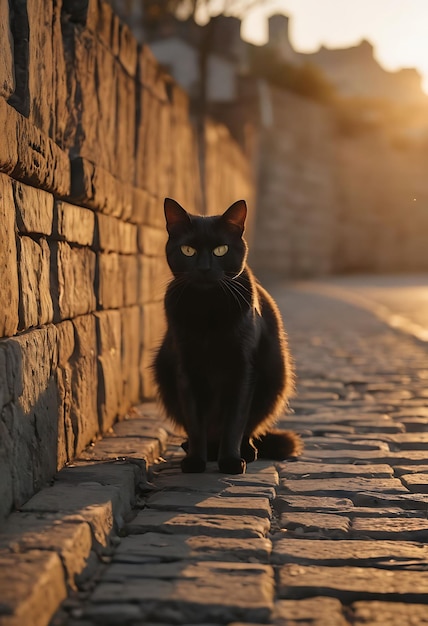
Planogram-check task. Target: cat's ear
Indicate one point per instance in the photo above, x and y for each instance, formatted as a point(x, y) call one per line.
point(236, 214)
point(175, 215)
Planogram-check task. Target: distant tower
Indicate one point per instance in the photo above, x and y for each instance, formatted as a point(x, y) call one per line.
point(279, 38)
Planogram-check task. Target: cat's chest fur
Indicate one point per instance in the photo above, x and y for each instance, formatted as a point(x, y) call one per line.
point(213, 333)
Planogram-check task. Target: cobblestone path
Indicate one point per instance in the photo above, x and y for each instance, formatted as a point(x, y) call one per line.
point(335, 538)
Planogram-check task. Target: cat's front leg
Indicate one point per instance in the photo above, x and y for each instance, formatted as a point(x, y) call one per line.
point(195, 460)
point(229, 459)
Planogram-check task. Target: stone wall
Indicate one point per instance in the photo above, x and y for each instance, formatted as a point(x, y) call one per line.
point(295, 190)
point(93, 137)
point(340, 195)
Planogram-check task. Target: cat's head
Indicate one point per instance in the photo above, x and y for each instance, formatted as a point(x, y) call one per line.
point(205, 250)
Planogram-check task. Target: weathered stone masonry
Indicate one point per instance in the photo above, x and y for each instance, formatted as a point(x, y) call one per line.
point(93, 135)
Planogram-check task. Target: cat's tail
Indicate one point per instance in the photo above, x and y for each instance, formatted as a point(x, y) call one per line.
point(277, 445)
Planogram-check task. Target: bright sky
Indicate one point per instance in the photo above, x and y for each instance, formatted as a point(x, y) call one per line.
point(398, 29)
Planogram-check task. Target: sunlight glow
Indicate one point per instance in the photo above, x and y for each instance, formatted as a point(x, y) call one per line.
point(398, 29)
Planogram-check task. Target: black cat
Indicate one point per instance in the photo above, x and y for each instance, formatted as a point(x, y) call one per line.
point(223, 370)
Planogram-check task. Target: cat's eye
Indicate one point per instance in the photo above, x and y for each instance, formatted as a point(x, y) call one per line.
point(188, 250)
point(221, 250)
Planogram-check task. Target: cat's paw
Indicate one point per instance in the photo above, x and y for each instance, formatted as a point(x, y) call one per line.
point(193, 465)
point(248, 451)
point(232, 465)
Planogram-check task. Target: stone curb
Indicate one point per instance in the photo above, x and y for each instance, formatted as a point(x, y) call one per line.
point(57, 540)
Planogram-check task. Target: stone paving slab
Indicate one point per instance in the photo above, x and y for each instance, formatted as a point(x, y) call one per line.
point(205, 591)
point(318, 611)
point(343, 486)
point(394, 614)
point(157, 547)
point(215, 525)
point(201, 502)
point(352, 583)
point(32, 587)
point(410, 529)
point(71, 539)
point(417, 483)
point(314, 525)
point(301, 470)
point(356, 552)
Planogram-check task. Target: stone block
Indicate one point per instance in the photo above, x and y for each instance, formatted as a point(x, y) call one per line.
point(72, 541)
point(40, 162)
point(416, 482)
point(152, 241)
point(130, 366)
point(138, 450)
point(7, 75)
point(138, 549)
point(96, 188)
point(148, 68)
point(129, 270)
point(124, 164)
point(343, 486)
point(35, 301)
point(164, 152)
point(66, 342)
point(72, 280)
point(154, 275)
point(66, 438)
point(102, 21)
point(110, 385)
point(315, 525)
point(193, 502)
point(155, 214)
point(152, 330)
point(33, 587)
point(109, 112)
point(212, 525)
point(6, 468)
point(203, 593)
point(110, 285)
point(316, 611)
point(9, 142)
point(84, 382)
point(73, 224)
point(301, 469)
point(8, 260)
point(378, 613)
point(140, 202)
point(351, 583)
point(30, 408)
point(41, 87)
point(336, 552)
point(114, 235)
point(128, 50)
point(147, 144)
point(407, 529)
point(34, 209)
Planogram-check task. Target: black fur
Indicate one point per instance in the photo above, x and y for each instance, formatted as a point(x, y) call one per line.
point(223, 370)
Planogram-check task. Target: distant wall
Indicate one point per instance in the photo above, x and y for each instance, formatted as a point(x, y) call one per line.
point(93, 137)
point(335, 198)
point(296, 194)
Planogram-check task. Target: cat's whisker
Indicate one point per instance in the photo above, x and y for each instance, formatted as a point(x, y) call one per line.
point(227, 290)
point(235, 288)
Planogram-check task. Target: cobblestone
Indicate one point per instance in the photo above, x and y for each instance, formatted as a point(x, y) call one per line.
point(343, 530)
